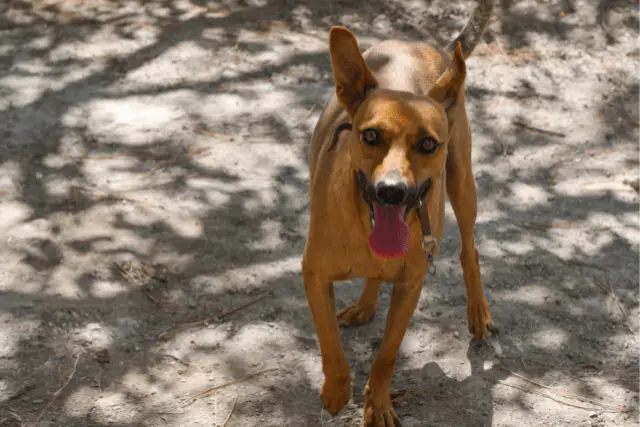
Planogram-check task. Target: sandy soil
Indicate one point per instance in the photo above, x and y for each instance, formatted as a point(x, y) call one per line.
point(153, 173)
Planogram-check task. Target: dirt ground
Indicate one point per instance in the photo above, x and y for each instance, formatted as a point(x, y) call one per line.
point(153, 212)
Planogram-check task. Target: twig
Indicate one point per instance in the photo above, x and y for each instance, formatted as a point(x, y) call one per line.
point(633, 183)
point(621, 308)
point(14, 415)
point(564, 394)
point(232, 311)
point(217, 317)
point(150, 297)
point(211, 390)
point(586, 264)
point(224, 424)
point(176, 358)
point(99, 379)
point(57, 393)
point(405, 394)
point(536, 129)
point(617, 301)
point(529, 390)
point(306, 116)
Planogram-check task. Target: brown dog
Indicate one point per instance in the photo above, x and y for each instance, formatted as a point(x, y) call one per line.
point(389, 142)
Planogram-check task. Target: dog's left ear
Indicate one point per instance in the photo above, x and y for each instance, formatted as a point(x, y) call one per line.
point(449, 85)
point(351, 74)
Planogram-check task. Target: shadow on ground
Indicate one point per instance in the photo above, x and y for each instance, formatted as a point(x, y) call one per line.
point(153, 173)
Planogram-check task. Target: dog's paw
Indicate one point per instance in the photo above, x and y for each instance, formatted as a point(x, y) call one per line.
point(378, 410)
point(356, 314)
point(336, 392)
point(479, 318)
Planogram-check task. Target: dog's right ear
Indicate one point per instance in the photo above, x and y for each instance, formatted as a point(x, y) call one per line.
point(350, 72)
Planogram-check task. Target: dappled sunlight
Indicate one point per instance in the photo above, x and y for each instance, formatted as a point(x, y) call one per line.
point(95, 334)
point(525, 196)
point(127, 121)
point(153, 210)
point(107, 289)
point(549, 338)
point(254, 274)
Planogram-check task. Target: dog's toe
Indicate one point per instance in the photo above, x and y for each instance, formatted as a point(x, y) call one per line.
point(335, 394)
point(479, 318)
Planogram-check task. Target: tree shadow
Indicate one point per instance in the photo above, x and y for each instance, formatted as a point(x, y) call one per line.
point(173, 134)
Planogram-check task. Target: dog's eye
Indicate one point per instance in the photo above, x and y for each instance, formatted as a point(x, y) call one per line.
point(427, 145)
point(370, 136)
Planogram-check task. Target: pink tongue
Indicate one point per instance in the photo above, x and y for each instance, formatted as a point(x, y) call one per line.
point(390, 235)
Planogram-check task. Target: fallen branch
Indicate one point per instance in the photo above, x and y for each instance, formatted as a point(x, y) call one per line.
point(406, 394)
point(536, 129)
point(617, 301)
point(211, 390)
point(215, 318)
point(233, 407)
point(59, 391)
point(306, 116)
point(607, 407)
point(621, 308)
point(586, 264)
point(633, 183)
point(529, 390)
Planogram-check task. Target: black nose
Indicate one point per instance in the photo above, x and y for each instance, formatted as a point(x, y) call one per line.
point(391, 193)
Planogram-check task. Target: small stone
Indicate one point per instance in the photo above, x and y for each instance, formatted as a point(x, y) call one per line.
point(37, 401)
point(456, 334)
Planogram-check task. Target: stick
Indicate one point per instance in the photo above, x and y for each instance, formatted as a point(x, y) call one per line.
point(528, 390)
point(621, 308)
point(211, 390)
point(224, 424)
point(586, 264)
point(617, 301)
point(306, 116)
point(633, 183)
point(233, 310)
point(217, 317)
point(57, 393)
point(402, 395)
point(564, 394)
point(536, 129)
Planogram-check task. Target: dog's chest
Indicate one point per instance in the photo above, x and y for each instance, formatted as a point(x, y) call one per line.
point(357, 260)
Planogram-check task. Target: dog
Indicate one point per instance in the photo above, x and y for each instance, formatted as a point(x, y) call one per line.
point(390, 143)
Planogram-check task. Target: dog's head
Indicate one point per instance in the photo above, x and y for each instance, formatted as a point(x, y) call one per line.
point(398, 142)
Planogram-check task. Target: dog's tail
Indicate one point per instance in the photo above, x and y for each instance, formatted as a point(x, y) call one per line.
point(473, 31)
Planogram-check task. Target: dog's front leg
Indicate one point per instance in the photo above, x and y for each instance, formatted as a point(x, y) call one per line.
point(461, 189)
point(336, 390)
point(378, 409)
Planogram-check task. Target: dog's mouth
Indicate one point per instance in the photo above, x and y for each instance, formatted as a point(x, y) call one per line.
point(389, 237)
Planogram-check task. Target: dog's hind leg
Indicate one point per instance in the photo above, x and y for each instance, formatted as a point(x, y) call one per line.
point(362, 310)
point(461, 189)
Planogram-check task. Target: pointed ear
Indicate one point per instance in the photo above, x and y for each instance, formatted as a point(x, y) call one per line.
point(447, 88)
point(350, 72)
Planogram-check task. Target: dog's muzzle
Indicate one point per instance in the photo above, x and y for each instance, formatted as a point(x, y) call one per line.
point(394, 191)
